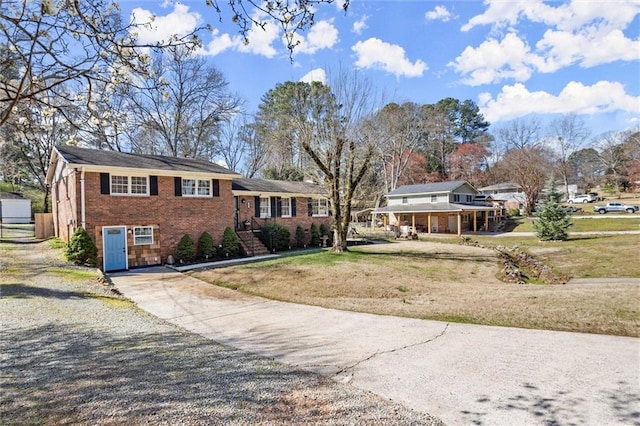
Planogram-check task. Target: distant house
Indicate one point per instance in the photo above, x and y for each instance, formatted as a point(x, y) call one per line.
point(442, 207)
point(14, 208)
point(509, 194)
point(137, 207)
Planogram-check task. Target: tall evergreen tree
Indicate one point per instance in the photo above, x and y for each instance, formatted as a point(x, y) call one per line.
point(553, 221)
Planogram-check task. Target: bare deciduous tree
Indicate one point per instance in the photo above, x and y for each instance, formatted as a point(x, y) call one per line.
point(520, 133)
point(331, 134)
point(530, 168)
point(183, 116)
point(567, 134)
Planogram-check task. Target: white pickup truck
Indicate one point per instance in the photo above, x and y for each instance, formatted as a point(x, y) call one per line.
point(615, 207)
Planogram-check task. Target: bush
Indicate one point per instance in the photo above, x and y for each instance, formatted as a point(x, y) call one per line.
point(230, 243)
point(81, 249)
point(315, 235)
point(186, 250)
point(324, 230)
point(206, 246)
point(301, 238)
point(275, 237)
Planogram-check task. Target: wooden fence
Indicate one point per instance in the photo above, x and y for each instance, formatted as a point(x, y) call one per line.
point(44, 225)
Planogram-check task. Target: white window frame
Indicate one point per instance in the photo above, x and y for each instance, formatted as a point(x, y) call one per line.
point(137, 237)
point(320, 207)
point(200, 188)
point(405, 200)
point(265, 207)
point(285, 206)
point(129, 185)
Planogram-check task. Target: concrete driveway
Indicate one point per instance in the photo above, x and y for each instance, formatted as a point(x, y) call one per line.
point(463, 374)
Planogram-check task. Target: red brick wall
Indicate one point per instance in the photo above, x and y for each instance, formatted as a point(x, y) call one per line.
point(301, 218)
point(64, 200)
point(171, 217)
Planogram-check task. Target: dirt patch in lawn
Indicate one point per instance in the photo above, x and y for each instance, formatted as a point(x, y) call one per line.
point(433, 280)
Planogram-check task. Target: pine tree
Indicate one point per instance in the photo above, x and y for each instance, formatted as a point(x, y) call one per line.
point(553, 220)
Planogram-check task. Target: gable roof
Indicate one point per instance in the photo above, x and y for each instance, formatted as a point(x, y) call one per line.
point(501, 186)
point(11, 196)
point(284, 187)
point(96, 160)
point(428, 188)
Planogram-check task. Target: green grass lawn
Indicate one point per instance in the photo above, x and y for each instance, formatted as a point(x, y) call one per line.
point(589, 224)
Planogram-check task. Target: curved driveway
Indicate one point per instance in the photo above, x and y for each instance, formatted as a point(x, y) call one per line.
point(463, 374)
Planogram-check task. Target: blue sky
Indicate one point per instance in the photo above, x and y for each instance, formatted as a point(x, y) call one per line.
point(513, 58)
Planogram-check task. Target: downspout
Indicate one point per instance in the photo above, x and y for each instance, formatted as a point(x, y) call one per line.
point(82, 201)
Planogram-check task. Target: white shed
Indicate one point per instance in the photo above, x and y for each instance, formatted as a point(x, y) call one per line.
point(15, 208)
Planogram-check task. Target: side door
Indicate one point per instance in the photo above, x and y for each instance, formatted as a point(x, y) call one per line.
point(114, 248)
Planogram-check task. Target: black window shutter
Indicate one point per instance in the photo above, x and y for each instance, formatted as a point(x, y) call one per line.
point(310, 207)
point(178, 185)
point(216, 187)
point(256, 202)
point(293, 207)
point(104, 183)
point(153, 185)
point(274, 207)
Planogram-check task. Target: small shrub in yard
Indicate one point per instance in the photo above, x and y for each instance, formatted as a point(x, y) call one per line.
point(206, 246)
point(315, 235)
point(186, 250)
point(81, 249)
point(301, 238)
point(275, 237)
point(230, 243)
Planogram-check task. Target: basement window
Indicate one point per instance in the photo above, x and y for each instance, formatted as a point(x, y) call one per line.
point(142, 235)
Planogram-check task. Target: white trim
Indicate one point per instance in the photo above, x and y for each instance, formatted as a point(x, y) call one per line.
point(155, 172)
point(126, 246)
point(129, 184)
point(134, 235)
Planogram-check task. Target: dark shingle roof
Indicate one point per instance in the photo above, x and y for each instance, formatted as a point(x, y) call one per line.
point(93, 157)
point(426, 188)
point(277, 186)
point(11, 196)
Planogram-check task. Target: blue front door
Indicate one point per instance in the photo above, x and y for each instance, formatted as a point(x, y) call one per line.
point(115, 248)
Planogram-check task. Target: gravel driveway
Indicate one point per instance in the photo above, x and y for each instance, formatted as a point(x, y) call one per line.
point(73, 353)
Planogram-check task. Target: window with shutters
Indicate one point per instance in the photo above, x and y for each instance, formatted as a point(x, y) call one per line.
point(286, 207)
point(196, 188)
point(265, 207)
point(129, 185)
point(320, 207)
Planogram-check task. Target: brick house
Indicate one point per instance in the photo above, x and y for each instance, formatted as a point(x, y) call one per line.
point(441, 207)
point(292, 204)
point(136, 207)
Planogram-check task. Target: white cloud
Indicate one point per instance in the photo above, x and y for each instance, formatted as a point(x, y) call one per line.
point(568, 16)
point(377, 54)
point(439, 13)
point(322, 35)
point(360, 25)
point(260, 42)
point(579, 33)
point(179, 22)
point(317, 74)
point(517, 101)
point(495, 60)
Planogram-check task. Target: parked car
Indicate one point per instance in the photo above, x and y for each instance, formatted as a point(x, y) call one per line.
point(615, 207)
point(582, 198)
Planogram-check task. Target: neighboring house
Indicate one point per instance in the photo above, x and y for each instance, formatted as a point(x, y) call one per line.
point(14, 208)
point(136, 207)
point(508, 193)
point(292, 204)
point(442, 207)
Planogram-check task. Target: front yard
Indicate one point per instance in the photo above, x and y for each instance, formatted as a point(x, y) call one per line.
point(443, 280)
